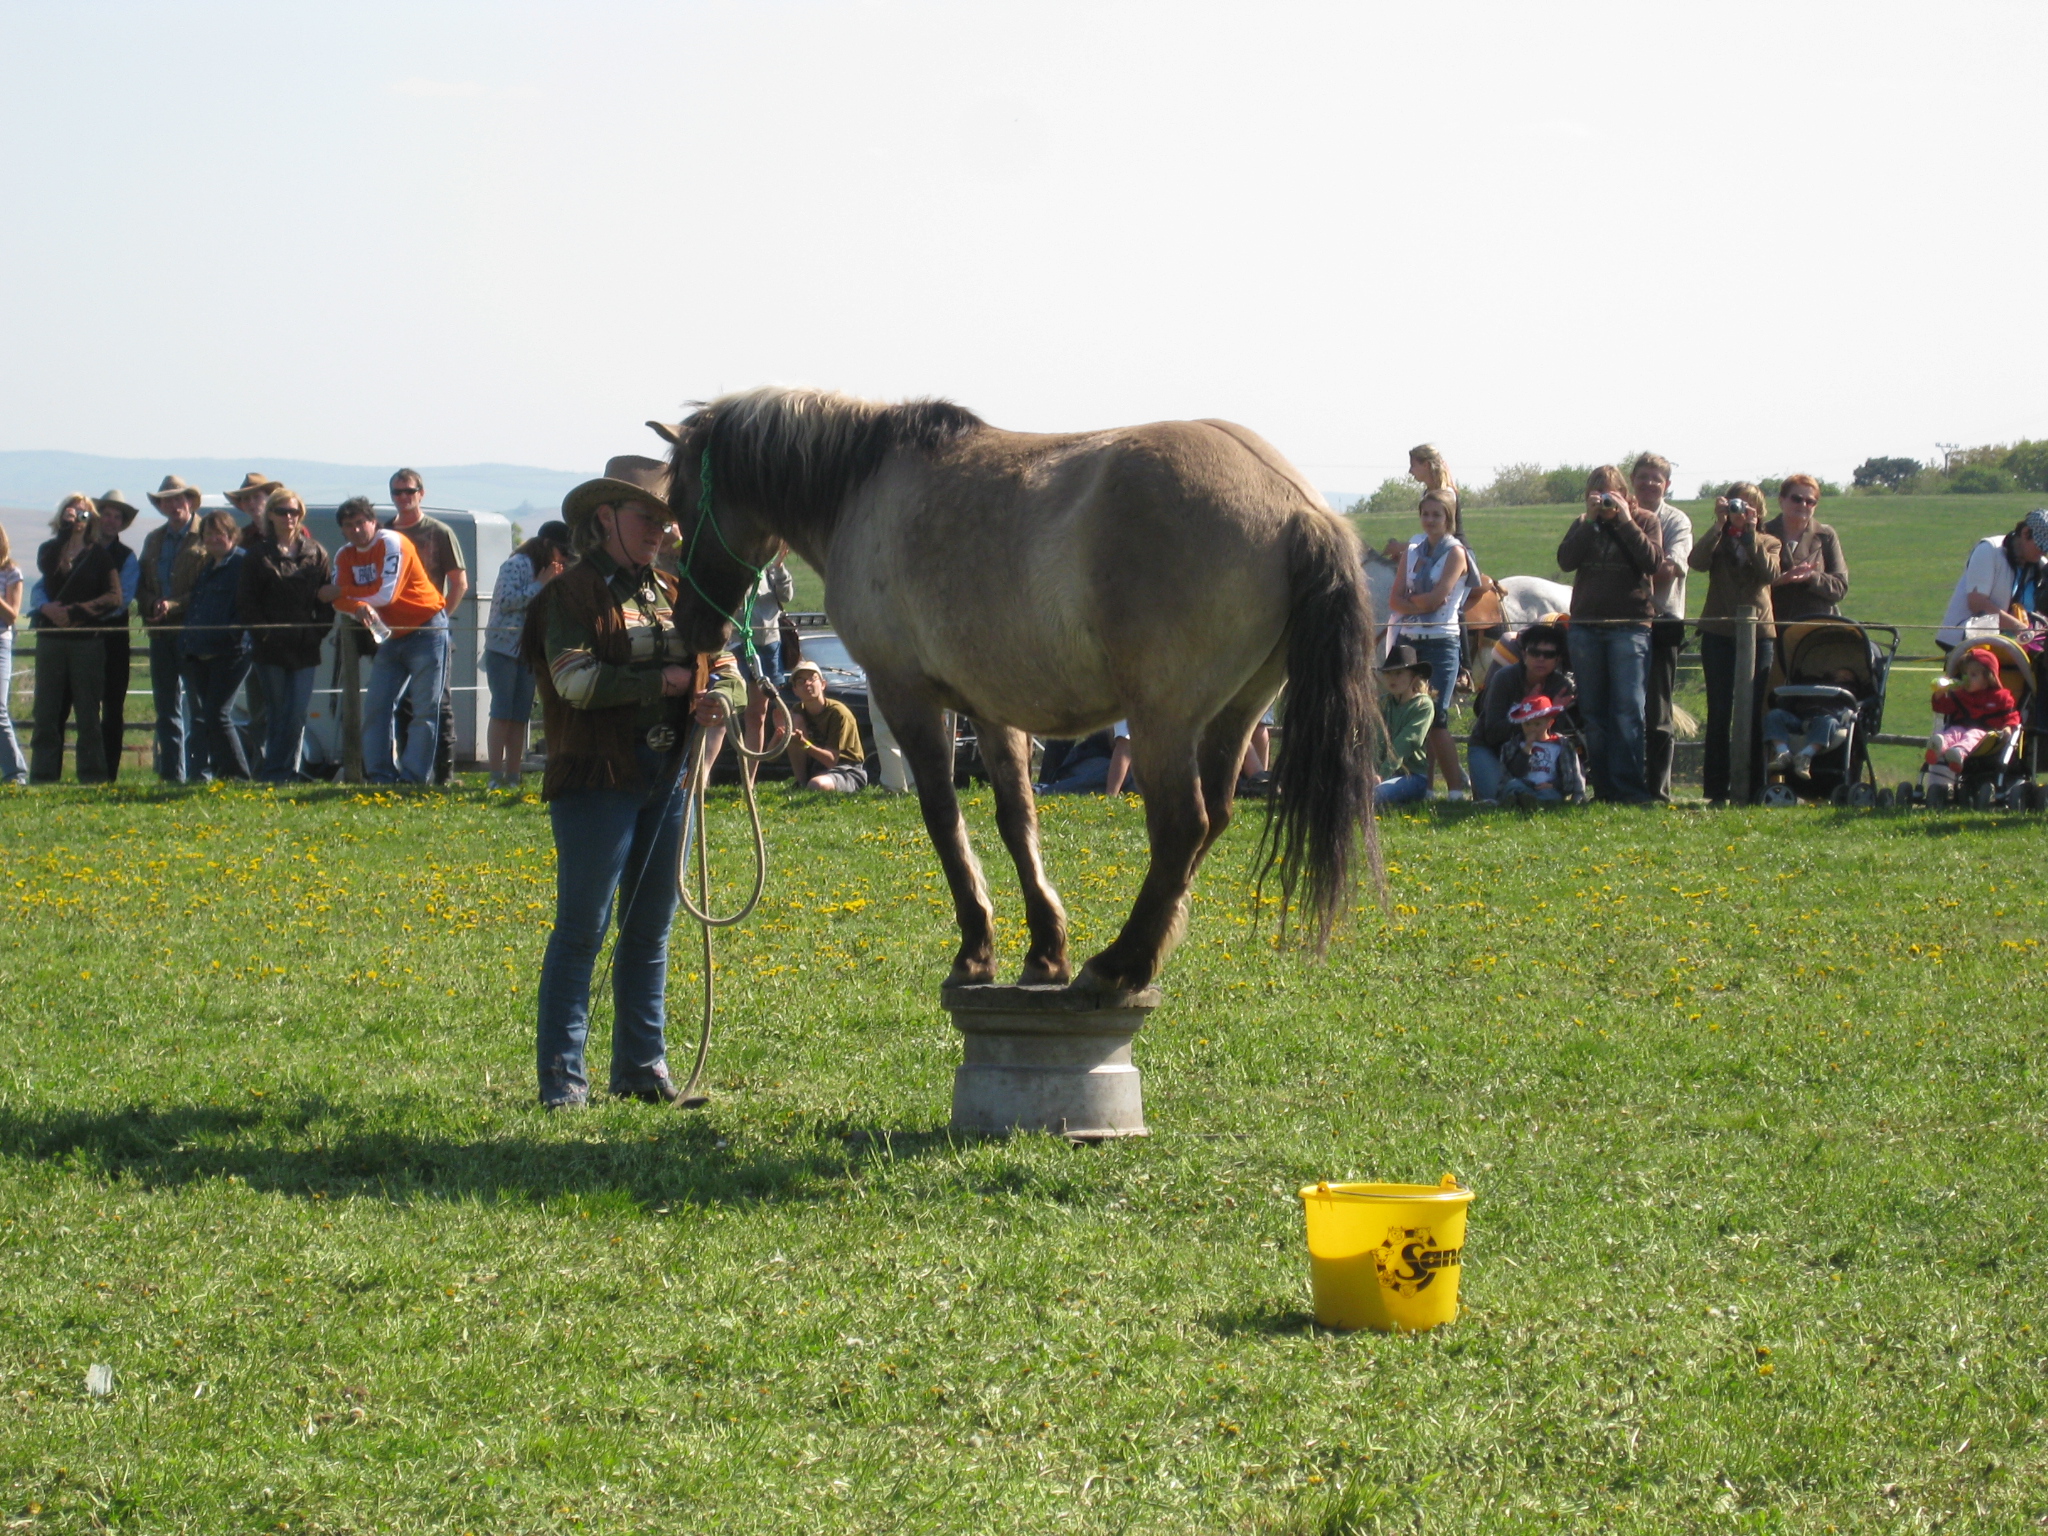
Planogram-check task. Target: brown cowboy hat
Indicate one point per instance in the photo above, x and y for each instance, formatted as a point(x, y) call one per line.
point(1402, 658)
point(118, 501)
point(255, 480)
point(626, 478)
point(174, 486)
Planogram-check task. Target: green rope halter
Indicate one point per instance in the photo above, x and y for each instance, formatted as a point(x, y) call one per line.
point(743, 621)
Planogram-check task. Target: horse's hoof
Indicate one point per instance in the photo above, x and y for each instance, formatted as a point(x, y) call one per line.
point(1098, 983)
point(965, 975)
point(1043, 973)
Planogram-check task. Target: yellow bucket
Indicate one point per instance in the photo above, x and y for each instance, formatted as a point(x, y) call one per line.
point(1385, 1256)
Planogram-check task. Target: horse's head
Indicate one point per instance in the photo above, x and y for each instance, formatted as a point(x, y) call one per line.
point(726, 543)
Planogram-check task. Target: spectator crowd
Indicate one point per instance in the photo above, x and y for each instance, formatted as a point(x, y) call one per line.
point(1579, 703)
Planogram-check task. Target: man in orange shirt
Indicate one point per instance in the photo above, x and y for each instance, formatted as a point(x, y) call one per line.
point(379, 578)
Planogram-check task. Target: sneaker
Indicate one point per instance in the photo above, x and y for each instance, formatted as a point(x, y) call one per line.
point(1802, 763)
point(1780, 760)
point(1953, 757)
point(1458, 794)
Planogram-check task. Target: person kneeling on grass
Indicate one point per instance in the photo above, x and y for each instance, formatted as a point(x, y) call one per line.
point(1410, 712)
point(825, 752)
point(1540, 768)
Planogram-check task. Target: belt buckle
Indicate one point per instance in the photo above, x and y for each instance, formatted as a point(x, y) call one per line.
point(661, 738)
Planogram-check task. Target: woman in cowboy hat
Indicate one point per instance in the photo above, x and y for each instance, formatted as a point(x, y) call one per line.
point(1410, 714)
point(619, 690)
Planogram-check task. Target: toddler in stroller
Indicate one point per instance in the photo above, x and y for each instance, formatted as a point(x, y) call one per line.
point(1820, 716)
point(1979, 717)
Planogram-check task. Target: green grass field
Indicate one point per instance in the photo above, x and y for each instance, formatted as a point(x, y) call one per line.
point(1752, 1103)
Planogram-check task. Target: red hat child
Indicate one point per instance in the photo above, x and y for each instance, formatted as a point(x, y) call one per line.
point(1536, 708)
point(1986, 658)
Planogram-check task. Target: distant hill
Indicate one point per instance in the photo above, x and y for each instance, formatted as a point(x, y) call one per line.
point(34, 478)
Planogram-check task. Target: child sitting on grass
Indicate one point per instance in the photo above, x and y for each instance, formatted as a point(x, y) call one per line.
point(1541, 768)
point(1409, 711)
point(1823, 723)
point(1974, 705)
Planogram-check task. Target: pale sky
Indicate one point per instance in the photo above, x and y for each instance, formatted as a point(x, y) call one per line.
point(1755, 237)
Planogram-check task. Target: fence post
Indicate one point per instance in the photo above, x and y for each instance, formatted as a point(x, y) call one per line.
point(351, 700)
point(1741, 732)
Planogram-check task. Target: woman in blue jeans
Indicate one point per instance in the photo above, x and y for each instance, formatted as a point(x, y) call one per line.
point(619, 693)
point(1427, 602)
point(282, 576)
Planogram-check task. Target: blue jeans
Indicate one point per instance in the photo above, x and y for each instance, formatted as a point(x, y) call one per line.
point(770, 662)
point(1610, 663)
point(1549, 794)
point(287, 694)
point(413, 667)
point(1482, 767)
point(13, 766)
point(216, 748)
point(173, 706)
point(1823, 732)
point(1090, 776)
point(609, 842)
point(1407, 788)
point(1443, 653)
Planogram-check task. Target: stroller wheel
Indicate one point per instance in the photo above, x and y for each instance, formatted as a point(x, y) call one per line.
point(2033, 797)
point(1937, 796)
point(1909, 793)
point(1883, 799)
point(1778, 796)
point(1862, 796)
point(1984, 796)
point(1839, 795)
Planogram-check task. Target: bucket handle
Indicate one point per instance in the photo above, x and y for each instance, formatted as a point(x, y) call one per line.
point(1448, 1182)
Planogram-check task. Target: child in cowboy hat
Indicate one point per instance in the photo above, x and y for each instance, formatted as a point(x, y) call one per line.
point(1541, 768)
point(1409, 711)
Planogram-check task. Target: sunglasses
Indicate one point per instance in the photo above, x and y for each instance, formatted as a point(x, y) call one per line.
point(406, 490)
point(286, 512)
point(1800, 501)
point(1543, 655)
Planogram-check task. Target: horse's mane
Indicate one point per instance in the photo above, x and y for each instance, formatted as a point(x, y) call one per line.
point(793, 456)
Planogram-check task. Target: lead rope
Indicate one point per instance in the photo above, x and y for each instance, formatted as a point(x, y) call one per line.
point(691, 1095)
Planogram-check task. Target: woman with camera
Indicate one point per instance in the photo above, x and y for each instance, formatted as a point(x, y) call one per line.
point(1427, 602)
point(1742, 562)
point(1612, 549)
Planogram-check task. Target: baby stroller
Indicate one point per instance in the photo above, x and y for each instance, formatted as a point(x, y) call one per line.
point(1811, 654)
point(1997, 772)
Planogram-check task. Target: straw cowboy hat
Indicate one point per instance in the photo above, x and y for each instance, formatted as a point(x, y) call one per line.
point(118, 501)
point(626, 478)
point(255, 480)
point(174, 486)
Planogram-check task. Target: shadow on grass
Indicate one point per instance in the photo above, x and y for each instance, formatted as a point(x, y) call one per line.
point(1271, 1320)
point(314, 1147)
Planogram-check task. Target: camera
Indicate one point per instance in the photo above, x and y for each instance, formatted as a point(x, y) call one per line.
point(1737, 507)
point(1609, 502)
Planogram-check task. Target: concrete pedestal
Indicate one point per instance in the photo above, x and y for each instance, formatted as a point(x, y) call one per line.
point(1047, 1059)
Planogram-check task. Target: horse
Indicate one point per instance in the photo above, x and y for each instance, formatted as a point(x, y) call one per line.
point(1174, 575)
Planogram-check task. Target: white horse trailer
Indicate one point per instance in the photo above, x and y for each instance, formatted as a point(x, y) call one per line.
point(486, 542)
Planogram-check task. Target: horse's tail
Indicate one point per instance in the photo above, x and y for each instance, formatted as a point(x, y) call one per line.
point(1322, 788)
